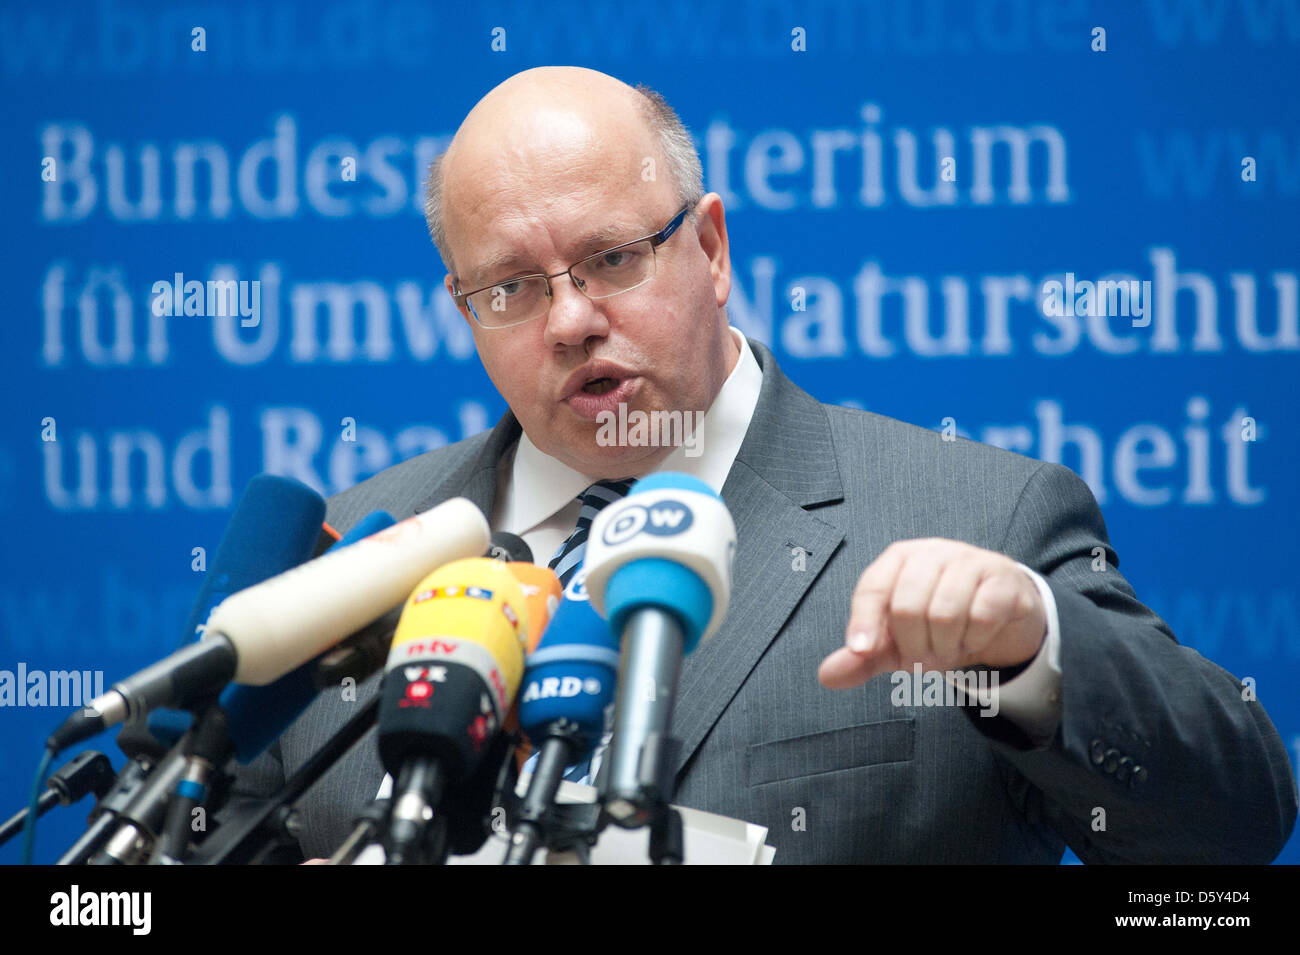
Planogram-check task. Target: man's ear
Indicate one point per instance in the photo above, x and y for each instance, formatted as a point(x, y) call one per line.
point(712, 227)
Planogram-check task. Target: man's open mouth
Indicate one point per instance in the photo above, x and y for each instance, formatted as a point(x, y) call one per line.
point(599, 386)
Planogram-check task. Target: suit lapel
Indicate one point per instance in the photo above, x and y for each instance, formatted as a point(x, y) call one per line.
point(786, 464)
point(476, 478)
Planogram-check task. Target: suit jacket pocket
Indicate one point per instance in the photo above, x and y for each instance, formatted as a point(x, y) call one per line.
point(887, 741)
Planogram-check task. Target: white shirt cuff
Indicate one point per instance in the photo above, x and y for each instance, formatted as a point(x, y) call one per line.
point(1032, 698)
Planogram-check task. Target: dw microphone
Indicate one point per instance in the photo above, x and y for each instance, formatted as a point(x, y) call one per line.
point(658, 567)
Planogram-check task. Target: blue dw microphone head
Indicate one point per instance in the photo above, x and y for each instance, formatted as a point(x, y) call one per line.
point(668, 545)
point(573, 673)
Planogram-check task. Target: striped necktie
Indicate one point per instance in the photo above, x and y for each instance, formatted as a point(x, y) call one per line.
point(568, 558)
point(565, 563)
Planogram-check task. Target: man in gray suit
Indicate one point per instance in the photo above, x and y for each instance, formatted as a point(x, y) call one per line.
point(594, 273)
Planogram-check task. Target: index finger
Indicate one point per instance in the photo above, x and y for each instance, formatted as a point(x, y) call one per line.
point(870, 607)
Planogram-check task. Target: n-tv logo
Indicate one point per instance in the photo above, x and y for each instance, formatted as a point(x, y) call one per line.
point(663, 519)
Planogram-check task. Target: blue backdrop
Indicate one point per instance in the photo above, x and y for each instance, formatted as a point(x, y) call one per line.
point(901, 179)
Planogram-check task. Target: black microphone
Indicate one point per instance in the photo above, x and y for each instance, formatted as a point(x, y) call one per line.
point(451, 677)
point(140, 820)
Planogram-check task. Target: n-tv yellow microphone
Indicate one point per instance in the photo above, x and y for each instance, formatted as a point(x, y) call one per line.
point(453, 671)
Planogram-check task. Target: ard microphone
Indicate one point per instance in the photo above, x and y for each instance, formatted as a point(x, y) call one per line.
point(570, 677)
point(569, 682)
point(261, 633)
point(452, 675)
point(658, 566)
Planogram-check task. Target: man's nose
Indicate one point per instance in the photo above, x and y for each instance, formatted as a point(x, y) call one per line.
point(573, 318)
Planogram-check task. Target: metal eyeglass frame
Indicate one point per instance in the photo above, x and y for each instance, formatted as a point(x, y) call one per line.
point(656, 239)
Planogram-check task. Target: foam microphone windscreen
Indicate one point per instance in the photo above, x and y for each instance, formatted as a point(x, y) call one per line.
point(454, 667)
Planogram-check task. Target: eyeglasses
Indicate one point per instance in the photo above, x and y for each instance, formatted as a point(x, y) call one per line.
point(598, 276)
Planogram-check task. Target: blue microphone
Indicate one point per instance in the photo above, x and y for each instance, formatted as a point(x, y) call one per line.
point(658, 566)
point(275, 527)
point(257, 715)
point(570, 678)
point(569, 682)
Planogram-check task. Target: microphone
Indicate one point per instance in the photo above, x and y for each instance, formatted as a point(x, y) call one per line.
point(658, 565)
point(277, 524)
point(243, 721)
point(366, 651)
point(509, 547)
point(257, 715)
point(274, 527)
point(468, 807)
point(541, 595)
point(452, 674)
point(262, 632)
point(283, 621)
point(569, 682)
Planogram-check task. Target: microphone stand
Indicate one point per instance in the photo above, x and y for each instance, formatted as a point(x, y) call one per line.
point(638, 789)
point(105, 815)
point(207, 750)
point(84, 773)
point(143, 753)
point(255, 830)
point(533, 821)
point(368, 828)
point(140, 817)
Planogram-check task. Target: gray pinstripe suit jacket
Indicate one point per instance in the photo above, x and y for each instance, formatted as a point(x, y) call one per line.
point(847, 776)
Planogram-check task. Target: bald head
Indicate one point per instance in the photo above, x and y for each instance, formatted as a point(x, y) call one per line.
point(558, 167)
point(536, 97)
point(543, 131)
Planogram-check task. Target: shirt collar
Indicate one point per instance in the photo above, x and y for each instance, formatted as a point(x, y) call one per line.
point(539, 485)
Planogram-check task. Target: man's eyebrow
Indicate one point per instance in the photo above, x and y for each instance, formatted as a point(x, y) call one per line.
point(592, 240)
